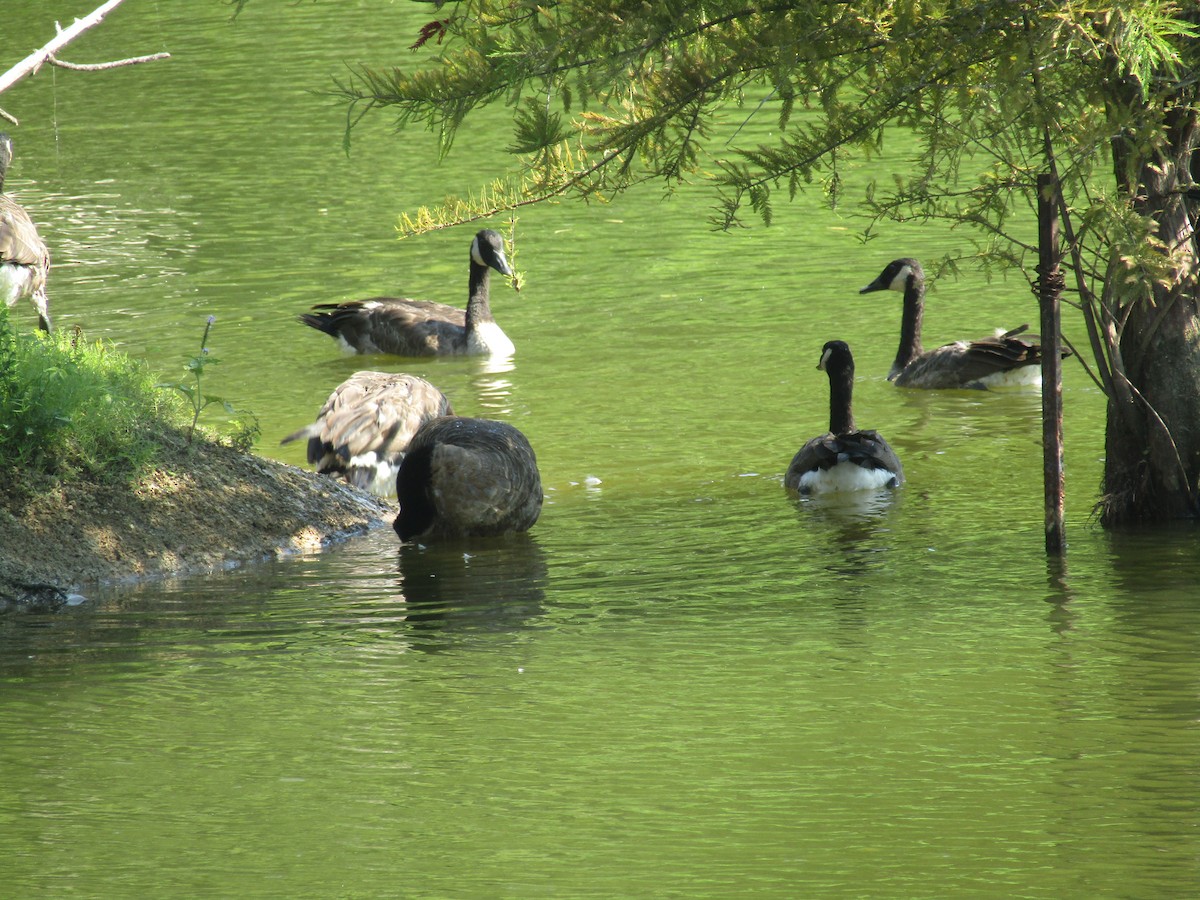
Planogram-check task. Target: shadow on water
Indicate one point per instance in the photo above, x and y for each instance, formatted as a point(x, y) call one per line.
point(1159, 561)
point(1059, 593)
point(923, 423)
point(486, 585)
point(1151, 573)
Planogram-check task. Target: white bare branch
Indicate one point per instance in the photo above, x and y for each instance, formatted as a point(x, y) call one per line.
point(100, 67)
point(34, 61)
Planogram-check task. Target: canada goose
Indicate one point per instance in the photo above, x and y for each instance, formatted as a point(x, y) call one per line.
point(465, 477)
point(845, 459)
point(421, 327)
point(1007, 359)
point(24, 259)
point(366, 424)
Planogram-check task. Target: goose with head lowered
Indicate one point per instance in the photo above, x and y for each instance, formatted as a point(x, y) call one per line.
point(24, 259)
point(365, 427)
point(844, 459)
point(465, 477)
point(406, 327)
point(1009, 359)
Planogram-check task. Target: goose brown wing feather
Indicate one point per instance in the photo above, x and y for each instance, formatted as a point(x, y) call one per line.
point(862, 448)
point(370, 413)
point(393, 325)
point(19, 240)
point(966, 363)
point(817, 453)
point(23, 254)
point(869, 449)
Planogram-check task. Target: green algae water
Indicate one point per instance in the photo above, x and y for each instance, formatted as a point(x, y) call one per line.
point(680, 683)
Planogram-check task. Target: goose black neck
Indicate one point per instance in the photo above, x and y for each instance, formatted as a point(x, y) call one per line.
point(478, 308)
point(910, 324)
point(841, 389)
point(417, 509)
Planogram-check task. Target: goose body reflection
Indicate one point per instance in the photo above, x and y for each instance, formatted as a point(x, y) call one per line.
point(497, 587)
point(364, 428)
point(845, 458)
point(1009, 359)
point(406, 327)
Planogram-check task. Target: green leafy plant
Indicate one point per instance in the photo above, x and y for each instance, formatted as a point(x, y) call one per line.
point(193, 391)
point(70, 408)
point(246, 432)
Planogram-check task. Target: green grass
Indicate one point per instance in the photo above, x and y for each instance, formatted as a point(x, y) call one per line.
point(72, 409)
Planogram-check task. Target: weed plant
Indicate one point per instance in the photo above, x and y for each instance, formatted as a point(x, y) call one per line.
point(193, 391)
point(73, 409)
point(246, 429)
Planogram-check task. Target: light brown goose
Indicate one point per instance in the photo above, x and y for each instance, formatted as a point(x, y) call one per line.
point(845, 458)
point(1012, 358)
point(406, 327)
point(467, 477)
point(24, 259)
point(365, 427)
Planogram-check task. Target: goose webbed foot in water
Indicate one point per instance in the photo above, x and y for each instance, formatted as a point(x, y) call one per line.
point(845, 458)
point(405, 327)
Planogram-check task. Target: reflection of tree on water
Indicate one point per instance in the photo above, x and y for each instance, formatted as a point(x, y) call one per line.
point(494, 584)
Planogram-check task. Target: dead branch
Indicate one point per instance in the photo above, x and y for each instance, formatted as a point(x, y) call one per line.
point(100, 67)
point(31, 64)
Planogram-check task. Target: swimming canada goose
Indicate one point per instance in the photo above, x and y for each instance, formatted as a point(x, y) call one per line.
point(421, 327)
point(845, 459)
point(466, 477)
point(1008, 359)
point(366, 424)
point(24, 259)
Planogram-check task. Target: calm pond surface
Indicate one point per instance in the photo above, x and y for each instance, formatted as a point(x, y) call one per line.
point(680, 683)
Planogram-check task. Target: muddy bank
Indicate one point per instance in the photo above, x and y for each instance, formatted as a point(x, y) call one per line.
point(205, 507)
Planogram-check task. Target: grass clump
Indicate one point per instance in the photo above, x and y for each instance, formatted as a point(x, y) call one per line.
point(72, 409)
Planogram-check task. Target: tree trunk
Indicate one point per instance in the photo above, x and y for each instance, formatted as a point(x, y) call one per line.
point(1152, 465)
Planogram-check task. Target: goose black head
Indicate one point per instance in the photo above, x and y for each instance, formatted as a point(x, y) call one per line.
point(896, 275)
point(488, 250)
point(836, 357)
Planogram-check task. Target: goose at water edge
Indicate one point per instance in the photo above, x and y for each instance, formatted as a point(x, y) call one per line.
point(406, 327)
point(1012, 358)
point(24, 259)
point(845, 459)
point(467, 477)
point(364, 428)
